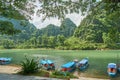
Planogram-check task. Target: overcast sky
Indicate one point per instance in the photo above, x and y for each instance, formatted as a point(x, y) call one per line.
point(37, 21)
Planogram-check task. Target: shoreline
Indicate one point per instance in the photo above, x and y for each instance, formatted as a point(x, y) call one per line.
point(14, 69)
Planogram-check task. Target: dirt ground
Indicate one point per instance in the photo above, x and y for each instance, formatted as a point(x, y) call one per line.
point(85, 78)
point(9, 69)
point(12, 69)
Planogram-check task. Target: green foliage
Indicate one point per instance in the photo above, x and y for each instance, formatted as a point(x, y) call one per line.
point(60, 40)
point(89, 33)
point(8, 44)
point(29, 66)
point(50, 30)
point(11, 13)
point(7, 28)
point(94, 26)
point(92, 32)
point(67, 27)
point(1, 47)
point(42, 73)
point(59, 73)
point(30, 37)
point(74, 43)
point(62, 75)
point(58, 8)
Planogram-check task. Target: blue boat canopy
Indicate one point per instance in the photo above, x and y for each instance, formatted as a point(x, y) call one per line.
point(83, 61)
point(68, 65)
point(5, 59)
point(46, 62)
point(43, 62)
point(49, 62)
point(112, 65)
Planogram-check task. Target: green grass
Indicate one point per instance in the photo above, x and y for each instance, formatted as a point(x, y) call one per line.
point(98, 59)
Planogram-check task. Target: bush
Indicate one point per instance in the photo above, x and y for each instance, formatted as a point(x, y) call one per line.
point(62, 75)
point(29, 66)
point(43, 73)
point(2, 47)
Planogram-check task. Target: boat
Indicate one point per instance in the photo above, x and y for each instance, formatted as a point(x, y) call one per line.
point(118, 67)
point(69, 67)
point(5, 60)
point(47, 64)
point(83, 64)
point(112, 69)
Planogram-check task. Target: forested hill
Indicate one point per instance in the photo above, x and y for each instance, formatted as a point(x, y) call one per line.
point(99, 30)
point(66, 28)
point(96, 31)
point(30, 36)
point(50, 30)
point(27, 29)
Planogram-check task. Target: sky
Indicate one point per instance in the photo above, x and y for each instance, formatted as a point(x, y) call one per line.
point(37, 21)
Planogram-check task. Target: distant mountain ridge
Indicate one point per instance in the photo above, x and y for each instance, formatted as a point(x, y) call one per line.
point(66, 28)
point(28, 30)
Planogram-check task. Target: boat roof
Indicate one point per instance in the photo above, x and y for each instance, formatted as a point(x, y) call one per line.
point(46, 61)
point(43, 62)
point(68, 65)
point(6, 59)
point(112, 65)
point(83, 61)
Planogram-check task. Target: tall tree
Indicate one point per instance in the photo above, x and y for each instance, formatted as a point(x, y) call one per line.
point(53, 8)
point(67, 27)
point(7, 28)
point(56, 8)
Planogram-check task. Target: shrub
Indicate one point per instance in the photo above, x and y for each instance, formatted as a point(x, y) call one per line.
point(29, 66)
point(2, 47)
point(62, 75)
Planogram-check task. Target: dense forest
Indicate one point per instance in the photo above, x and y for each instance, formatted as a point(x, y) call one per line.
point(30, 37)
point(93, 35)
point(98, 30)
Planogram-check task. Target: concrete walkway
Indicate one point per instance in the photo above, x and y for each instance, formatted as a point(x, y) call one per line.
point(21, 77)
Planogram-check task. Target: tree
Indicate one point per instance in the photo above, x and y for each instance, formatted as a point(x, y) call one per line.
point(94, 25)
point(7, 28)
point(67, 27)
point(44, 41)
point(56, 8)
point(51, 42)
point(59, 8)
point(60, 40)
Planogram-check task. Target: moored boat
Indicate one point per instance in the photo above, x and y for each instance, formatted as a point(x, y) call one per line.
point(69, 67)
point(5, 60)
point(83, 64)
point(112, 69)
point(47, 64)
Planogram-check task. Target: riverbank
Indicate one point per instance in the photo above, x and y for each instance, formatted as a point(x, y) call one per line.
point(8, 72)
